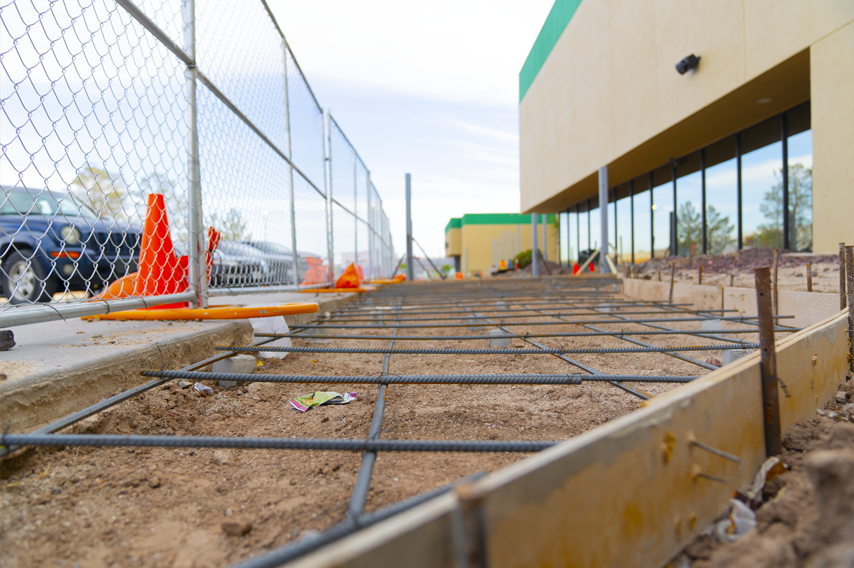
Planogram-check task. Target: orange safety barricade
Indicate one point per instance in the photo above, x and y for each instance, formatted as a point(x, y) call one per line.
point(349, 279)
point(316, 273)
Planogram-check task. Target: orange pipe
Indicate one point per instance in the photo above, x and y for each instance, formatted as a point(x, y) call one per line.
point(211, 313)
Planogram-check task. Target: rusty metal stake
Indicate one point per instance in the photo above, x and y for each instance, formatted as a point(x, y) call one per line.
point(731, 280)
point(770, 395)
point(700, 277)
point(672, 276)
point(809, 277)
point(842, 273)
point(849, 277)
point(774, 282)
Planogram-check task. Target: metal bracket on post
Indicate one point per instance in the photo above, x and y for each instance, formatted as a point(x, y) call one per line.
point(768, 369)
point(410, 270)
point(197, 268)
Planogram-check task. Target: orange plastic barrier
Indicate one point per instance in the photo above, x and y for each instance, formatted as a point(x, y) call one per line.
point(211, 313)
point(458, 275)
point(316, 273)
point(160, 271)
point(350, 278)
point(400, 277)
point(336, 290)
point(359, 272)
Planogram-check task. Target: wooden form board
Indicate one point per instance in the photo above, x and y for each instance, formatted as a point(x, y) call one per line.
point(624, 494)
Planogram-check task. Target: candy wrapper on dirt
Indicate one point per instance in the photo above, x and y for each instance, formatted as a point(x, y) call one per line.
point(303, 403)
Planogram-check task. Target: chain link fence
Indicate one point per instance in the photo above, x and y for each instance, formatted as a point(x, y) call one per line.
point(129, 128)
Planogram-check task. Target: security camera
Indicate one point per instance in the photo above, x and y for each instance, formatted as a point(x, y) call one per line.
point(687, 64)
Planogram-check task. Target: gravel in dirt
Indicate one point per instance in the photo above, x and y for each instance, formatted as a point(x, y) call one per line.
point(180, 508)
point(717, 269)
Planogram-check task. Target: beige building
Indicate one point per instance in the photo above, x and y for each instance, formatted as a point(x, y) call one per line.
point(478, 242)
point(744, 149)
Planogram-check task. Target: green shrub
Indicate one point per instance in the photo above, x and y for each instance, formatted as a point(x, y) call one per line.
point(524, 258)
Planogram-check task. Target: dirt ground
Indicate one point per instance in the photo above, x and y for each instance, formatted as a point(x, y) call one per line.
point(806, 515)
point(166, 507)
point(717, 269)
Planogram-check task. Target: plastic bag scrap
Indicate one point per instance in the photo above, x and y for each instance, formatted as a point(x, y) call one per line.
point(271, 325)
point(207, 391)
point(303, 403)
point(770, 468)
point(740, 520)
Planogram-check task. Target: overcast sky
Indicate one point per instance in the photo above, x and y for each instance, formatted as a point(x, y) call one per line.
point(426, 88)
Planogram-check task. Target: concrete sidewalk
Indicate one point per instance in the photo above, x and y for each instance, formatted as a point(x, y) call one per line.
point(60, 367)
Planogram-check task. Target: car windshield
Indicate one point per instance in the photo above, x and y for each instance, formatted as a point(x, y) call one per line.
point(43, 203)
point(267, 246)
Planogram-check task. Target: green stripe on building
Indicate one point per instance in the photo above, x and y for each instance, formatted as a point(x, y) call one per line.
point(454, 223)
point(501, 219)
point(559, 17)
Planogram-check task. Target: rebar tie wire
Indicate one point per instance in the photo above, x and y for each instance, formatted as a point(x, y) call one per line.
point(390, 379)
point(544, 351)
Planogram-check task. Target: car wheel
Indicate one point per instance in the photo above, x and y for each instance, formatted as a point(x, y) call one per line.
point(24, 280)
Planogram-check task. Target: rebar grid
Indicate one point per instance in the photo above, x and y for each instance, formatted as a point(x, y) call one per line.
point(454, 302)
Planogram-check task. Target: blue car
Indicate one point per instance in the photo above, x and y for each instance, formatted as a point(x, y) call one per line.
point(51, 242)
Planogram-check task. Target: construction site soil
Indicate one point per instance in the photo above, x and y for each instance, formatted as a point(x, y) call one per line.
point(147, 507)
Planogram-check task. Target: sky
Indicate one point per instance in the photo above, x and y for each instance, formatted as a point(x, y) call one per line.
point(430, 89)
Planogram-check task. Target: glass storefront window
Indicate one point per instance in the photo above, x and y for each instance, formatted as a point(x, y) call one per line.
point(721, 197)
point(583, 233)
point(623, 223)
point(689, 213)
point(662, 206)
point(571, 235)
point(800, 179)
point(762, 185)
point(595, 227)
point(642, 238)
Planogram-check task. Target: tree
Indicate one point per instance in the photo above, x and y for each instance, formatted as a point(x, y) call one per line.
point(799, 214)
point(689, 228)
point(231, 225)
point(719, 231)
point(446, 268)
point(104, 192)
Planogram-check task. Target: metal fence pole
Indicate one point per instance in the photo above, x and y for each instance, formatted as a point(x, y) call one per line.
point(410, 270)
point(370, 220)
point(327, 165)
point(355, 210)
point(290, 170)
point(196, 265)
point(535, 271)
point(768, 369)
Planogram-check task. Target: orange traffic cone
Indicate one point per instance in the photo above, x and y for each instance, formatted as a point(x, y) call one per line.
point(350, 278)
point(575, 268)
point(359, 272)
point(592, 267)
point(160, 271)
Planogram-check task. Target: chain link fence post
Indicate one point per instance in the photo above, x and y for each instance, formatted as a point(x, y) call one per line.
point(197, 267)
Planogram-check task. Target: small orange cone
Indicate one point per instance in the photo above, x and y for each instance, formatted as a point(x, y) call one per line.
point(575, 268)
point(592, 267)
point(399, 278)
point(458, 275)
point(350, 278)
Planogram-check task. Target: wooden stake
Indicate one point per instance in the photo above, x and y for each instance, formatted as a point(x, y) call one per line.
point(731, 280)
point(768, 365)
point(672, 277)
point(809, 277)
point(842, 272)
point(700, 277)
point(774, 282)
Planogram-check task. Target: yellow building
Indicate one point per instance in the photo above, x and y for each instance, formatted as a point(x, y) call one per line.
point(479, 241)
point(743, 145)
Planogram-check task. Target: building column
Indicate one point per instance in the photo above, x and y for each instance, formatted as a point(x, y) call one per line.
point(535, 272)
point(603, 214)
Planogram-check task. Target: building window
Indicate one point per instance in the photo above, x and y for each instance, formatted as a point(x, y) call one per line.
point(662, 207)
point(800, 178)
point(623, 223)
point(689, 213)
point(721, 197)
point(642, 237)
point(762, 186)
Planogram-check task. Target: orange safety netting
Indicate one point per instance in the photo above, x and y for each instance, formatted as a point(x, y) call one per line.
point(316, 273)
